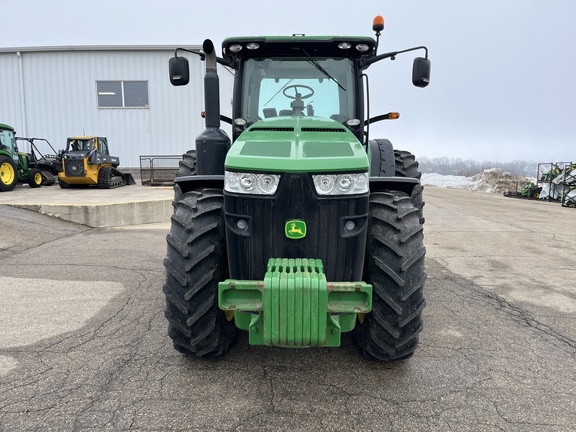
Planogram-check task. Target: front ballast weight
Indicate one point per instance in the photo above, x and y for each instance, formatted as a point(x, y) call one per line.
point(294, 306)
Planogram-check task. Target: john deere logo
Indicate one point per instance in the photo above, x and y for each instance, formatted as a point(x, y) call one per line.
point(295, 229)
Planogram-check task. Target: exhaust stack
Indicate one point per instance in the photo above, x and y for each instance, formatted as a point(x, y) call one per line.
point(212, 144)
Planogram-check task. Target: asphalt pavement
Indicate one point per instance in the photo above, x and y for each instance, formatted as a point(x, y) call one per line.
point(84, 345)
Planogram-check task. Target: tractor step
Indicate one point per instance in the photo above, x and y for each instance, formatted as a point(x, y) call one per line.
point(295, 306)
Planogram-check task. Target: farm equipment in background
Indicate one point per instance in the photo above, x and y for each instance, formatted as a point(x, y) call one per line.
point(555, 182)
point(558, 181)
point(86, 161)
point(528, 191)
point(302, 227)
point(47, 160)
point(15, 166)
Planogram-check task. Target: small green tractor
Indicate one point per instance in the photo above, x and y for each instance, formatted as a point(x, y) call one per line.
point(15, 166)
point(44, 157)
point(300, 227)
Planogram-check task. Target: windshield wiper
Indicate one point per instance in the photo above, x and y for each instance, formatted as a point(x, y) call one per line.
point(321, 69)
point(275, 94)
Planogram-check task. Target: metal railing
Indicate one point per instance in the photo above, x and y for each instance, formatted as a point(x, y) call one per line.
point(156, 170)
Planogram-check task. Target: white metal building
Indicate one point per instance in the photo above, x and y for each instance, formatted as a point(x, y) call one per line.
point(120, 92)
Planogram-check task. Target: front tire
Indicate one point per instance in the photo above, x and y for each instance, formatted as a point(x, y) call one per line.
point(195, 263)
point(35, 178)
point(395, 268)
point(8, 174)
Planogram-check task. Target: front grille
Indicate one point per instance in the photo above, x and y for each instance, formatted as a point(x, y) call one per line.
point(74, 168)
point(309, 129)
point(271, 129)
point(249, 251)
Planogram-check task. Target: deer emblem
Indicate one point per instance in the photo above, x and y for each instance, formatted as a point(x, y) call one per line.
point(295, 229)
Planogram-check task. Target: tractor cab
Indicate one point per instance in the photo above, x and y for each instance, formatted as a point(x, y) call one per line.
point(296, 76)
point(8, 144)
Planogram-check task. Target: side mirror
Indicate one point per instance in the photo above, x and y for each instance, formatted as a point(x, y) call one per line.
point(179, 71)
point(421, 72)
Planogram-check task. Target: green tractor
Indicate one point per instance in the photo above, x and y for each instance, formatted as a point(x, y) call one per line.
point(300, 227)
point(44, 157)
point(15, 166)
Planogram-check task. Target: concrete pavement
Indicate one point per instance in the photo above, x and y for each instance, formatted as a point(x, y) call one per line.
point(124, 206)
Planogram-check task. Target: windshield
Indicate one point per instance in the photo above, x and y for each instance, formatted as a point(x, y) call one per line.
point(319, 87)
point(7, 141)
point(80, 144)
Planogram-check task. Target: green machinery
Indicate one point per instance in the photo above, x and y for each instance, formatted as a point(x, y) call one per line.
point(529, 190)
point(300, 226)
point(15, 166)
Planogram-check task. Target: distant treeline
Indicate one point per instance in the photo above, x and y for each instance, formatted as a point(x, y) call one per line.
point(456, 166)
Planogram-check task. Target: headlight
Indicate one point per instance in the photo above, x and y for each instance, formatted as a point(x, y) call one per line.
point(341, 184)
point(251, 183)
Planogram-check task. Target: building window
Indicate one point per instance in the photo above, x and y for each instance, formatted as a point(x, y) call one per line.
point(122, 94)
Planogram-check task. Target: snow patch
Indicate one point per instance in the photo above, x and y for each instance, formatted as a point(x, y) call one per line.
point(490, 180)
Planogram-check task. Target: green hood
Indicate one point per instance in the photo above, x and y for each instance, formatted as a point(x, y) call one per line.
point(297, 144)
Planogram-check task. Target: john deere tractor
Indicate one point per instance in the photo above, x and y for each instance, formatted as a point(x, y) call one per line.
point(15, 166)
point(300, 227)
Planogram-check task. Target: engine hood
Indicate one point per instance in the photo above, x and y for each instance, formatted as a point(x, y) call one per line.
point(297, 144)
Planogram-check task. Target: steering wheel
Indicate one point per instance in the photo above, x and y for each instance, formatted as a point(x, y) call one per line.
point(298, 95)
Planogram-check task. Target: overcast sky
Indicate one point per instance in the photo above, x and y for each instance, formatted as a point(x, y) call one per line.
point(502, 85)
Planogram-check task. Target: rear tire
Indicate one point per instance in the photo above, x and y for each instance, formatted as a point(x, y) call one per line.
point(8, 174)
point(195, 263)
point(395, 268)
point(187, 167)
point(407, 166)
point(35, 178)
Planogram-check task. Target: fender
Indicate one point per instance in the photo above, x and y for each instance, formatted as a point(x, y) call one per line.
point(382, 162)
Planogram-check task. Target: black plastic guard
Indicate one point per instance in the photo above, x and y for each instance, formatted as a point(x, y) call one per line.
point(341, 250)
point(188, 183)
point(403, 184)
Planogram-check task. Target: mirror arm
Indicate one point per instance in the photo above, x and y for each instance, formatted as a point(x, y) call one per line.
point(365, 62)
point(202, 56)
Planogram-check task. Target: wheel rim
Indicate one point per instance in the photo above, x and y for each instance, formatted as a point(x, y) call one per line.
point(38, 178)
point(7, 173)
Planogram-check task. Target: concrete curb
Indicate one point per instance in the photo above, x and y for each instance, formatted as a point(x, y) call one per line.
point(107, 215)
point(129, 205)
